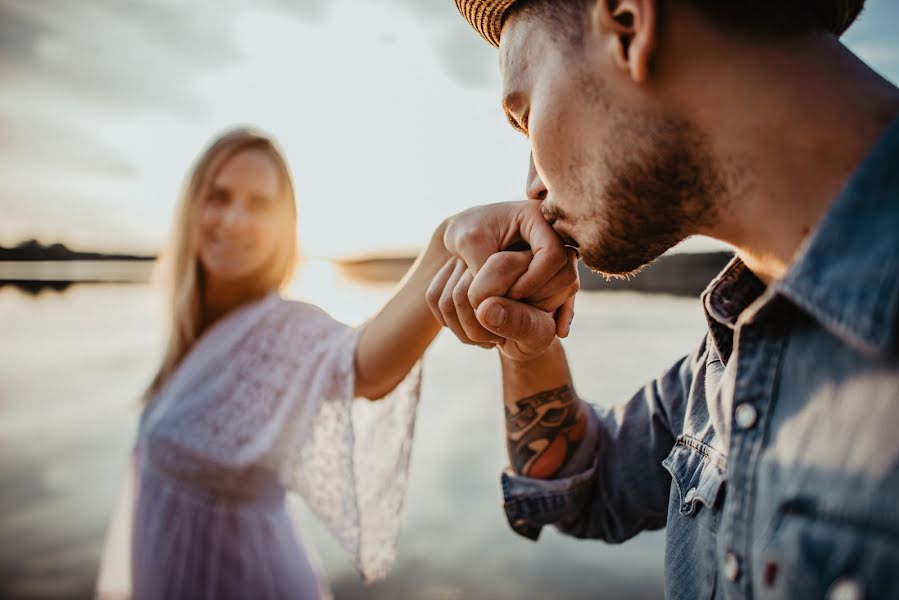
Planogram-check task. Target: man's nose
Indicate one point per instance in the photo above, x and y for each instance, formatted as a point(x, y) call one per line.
point(534, 188)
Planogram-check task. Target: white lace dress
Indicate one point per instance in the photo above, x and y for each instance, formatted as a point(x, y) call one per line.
point(263, 405)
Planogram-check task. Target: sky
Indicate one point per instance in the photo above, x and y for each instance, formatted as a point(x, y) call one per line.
point(388, 111)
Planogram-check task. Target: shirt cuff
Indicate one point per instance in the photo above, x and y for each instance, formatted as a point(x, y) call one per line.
point(532, 503)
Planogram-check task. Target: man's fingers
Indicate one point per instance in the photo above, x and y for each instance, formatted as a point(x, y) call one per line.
point(435, 290)
point(476, 234)
point(531, 328)
point(564, 317)
point(557, 290)
point(497, 275)
point(549, 254)
point(474, 331)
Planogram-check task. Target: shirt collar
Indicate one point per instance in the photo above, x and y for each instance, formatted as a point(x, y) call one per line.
point(726, 297)
point(846, 274)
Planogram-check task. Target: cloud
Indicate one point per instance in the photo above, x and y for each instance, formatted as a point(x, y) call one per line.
point(467, 58)
point(65, 66)
point(44, 141)
point(133, 56)
point(309, 10)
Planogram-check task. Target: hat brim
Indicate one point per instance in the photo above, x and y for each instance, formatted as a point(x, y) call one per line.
point(486, 17)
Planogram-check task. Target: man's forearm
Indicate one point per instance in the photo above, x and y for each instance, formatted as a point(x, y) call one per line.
point(545, 420)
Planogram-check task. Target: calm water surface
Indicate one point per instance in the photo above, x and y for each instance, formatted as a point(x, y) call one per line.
point(72, 365)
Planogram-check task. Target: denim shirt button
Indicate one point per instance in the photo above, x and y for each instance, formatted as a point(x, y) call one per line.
point(845, 589)
point(732, 567)
point(691, 495)
point(746, 416)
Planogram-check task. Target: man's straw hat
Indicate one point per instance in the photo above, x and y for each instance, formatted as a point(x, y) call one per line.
point(487, 16)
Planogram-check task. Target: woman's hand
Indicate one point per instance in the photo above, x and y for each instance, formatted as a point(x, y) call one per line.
point(477, 234)
point(525, 329)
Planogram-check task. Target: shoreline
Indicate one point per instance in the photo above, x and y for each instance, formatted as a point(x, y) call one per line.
point(677, 274)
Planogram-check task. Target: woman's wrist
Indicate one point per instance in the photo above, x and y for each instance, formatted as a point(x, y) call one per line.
point(436, 255)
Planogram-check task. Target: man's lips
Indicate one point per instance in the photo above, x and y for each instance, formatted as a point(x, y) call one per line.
point(567, 240)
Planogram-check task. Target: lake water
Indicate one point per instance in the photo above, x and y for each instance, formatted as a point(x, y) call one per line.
point(72, 366)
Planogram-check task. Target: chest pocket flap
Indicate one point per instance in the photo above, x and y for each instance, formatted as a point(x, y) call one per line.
point(698, 471)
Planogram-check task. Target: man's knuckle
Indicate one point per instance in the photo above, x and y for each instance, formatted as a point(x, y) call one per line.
point(469, 237)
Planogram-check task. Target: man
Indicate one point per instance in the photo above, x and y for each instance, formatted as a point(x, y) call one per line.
point(771, 450)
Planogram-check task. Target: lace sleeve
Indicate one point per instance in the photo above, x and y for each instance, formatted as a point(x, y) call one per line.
point(350, 461)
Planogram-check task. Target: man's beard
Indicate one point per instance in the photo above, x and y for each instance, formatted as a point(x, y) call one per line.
point(659, 189)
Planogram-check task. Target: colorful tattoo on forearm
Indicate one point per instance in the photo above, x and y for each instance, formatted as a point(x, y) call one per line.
point(543, 431)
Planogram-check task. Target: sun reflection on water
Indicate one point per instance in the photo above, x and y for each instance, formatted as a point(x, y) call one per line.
point(321, 282)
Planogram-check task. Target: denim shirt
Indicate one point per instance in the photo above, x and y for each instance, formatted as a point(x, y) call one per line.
point(771, 452)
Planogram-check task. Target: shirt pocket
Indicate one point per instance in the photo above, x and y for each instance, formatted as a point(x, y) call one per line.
point(698, 477)
point(698, 473)
point(817, 553)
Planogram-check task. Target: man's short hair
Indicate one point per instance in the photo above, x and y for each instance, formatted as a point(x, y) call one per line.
point(780, 18)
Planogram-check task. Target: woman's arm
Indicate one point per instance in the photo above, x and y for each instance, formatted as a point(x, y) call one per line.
point(398, 335)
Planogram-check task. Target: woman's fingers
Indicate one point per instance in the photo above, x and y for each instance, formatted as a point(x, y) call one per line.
point(455, 296)
point(471, 328)
point(446, 303)
point(435, 290)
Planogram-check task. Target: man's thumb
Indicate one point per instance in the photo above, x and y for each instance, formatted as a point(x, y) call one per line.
point(530, 327)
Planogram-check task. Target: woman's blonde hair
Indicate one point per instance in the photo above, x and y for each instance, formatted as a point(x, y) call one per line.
point(179, 265)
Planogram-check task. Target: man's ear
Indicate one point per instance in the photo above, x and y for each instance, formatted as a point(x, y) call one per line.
point(632, 29)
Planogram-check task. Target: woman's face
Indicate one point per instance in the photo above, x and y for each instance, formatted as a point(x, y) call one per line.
point(242, 219)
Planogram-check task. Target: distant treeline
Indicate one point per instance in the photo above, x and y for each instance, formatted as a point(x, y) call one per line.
point(33, 250)
point(682, 274)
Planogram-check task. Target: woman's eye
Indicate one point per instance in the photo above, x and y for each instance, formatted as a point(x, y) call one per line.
point(218, 198)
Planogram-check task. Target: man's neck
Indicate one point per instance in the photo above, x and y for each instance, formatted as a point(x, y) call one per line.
point(790, 124)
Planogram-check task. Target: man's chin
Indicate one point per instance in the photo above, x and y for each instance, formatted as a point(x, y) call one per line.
point(621, 259)
point(615, 267)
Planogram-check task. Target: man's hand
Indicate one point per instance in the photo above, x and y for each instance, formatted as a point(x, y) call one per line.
point(522, 330)
point(476, 234)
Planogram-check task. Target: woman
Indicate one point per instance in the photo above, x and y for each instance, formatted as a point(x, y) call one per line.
point(254, 398)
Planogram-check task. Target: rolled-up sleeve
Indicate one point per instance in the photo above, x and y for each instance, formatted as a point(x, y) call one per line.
point(615, 486)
